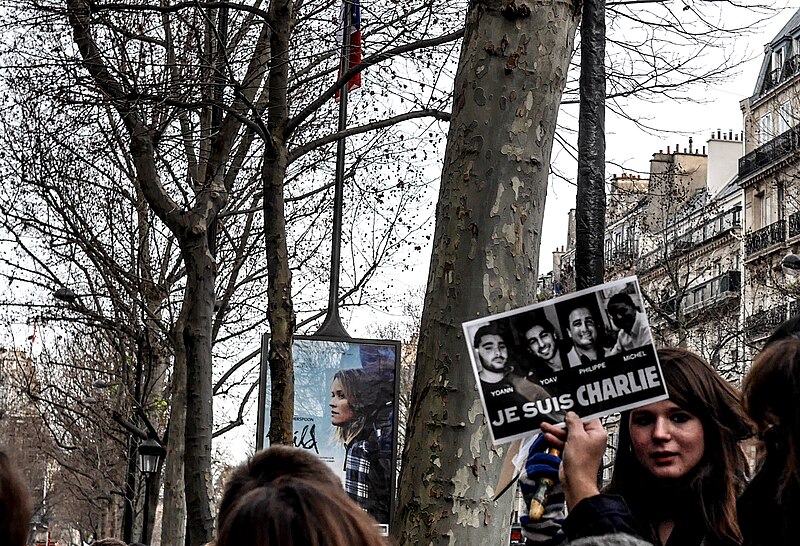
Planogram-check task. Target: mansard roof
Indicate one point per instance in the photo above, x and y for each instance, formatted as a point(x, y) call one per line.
point(766, 74)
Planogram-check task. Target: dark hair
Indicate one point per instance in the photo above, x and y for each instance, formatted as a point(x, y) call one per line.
point(15, 505)
point(623, 298)
point(367, 395)
point(286, 496)
point(491, 329)
point(718, 478)
point(269, 465)
point(771, 391)
point(528, 321)
point(297, 512)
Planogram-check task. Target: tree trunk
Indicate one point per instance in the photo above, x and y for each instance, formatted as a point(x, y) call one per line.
point(199, 300)
point(279, 285)
point(173, 516)
point(511, 75)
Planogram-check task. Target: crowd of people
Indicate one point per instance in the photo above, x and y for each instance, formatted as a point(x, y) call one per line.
point(680, 476)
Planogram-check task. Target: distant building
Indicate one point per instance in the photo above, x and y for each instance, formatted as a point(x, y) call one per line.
point(678, 229)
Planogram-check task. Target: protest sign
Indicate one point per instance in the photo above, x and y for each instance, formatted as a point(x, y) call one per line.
point(590, 352)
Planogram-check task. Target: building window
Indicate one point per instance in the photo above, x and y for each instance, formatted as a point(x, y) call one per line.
point(765, 128)
point(763, 209)
point(785, 117)
point(777, 62)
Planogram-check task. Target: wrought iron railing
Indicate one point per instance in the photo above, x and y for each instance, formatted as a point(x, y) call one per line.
point(781, 74)
point(794, 224)
point(623, 254)
point(764, 322)
point(768, 153)
point(765, 237)
point(696, 236)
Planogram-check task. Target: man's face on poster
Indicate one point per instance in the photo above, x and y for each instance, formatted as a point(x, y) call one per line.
point(582, 328)
point(541, 342)
point(493, 353)
point(623, 315)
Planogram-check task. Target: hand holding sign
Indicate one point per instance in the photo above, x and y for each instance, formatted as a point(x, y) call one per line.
point(583, 454)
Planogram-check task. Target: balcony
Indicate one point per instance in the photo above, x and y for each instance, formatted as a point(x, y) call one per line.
point(762, 324)
point(695, 236)
point(794, 224)
point(720, 287)
point(780, 147)
point(622, 255)
point(765, 237)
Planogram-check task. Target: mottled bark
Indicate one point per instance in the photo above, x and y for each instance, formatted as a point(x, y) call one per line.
point(590, 212)
point(488, 224)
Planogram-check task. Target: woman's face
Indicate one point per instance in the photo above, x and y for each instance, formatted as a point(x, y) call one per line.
point(341, 412)
point(667, 440)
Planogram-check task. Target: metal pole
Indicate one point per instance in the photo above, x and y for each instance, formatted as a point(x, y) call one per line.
point(332, 325)
point(146, 516)
point(591, 200)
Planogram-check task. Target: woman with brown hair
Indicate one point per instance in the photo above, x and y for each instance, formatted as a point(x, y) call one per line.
point(15, 505)
point(769, 507)
point(286, 497)
point(678, 468)
point(361, 413)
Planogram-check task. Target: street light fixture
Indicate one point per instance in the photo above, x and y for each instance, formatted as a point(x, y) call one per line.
point(790, 266)
point(150, 454)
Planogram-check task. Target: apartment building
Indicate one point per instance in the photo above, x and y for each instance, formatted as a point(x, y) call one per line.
point(768, 175)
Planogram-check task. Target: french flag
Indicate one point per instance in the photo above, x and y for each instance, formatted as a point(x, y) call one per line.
point(355, 40)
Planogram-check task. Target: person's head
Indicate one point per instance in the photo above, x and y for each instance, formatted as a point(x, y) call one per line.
point(15, 505)
point(688, 442)
point(540, 338)
point(582, 328)
point(492, 348)
point(287, 497)
point(347, 412)
point(613, 539)
point(770, 395)
point(622, 311)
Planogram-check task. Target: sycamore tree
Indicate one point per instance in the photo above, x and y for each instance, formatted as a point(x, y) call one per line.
point(512, 77)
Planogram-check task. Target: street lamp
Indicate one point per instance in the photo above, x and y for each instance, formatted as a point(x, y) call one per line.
point(790, 266)
point(150, 454)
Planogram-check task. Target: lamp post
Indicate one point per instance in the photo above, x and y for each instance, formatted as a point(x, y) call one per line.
point(150, 454)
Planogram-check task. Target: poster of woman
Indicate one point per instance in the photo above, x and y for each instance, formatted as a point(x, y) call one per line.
point(345, 413)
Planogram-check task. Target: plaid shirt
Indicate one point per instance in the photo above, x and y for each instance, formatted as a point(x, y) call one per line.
point(356, 472)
